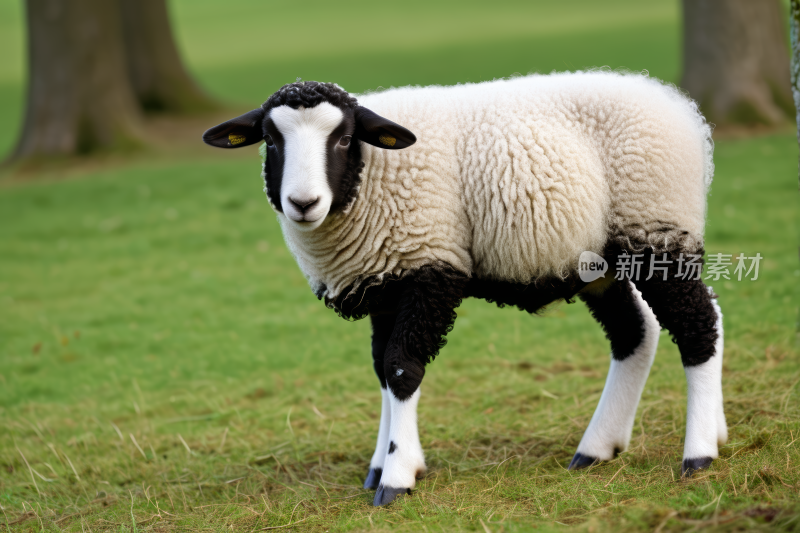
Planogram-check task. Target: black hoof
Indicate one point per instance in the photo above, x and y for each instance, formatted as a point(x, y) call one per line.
point(581, 461)
point(387, 495)
point(690, 466)
point(373, 478)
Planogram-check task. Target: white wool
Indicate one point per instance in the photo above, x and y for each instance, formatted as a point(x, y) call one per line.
point(513, 179)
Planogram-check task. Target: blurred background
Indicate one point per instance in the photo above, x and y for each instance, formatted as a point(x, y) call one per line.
point(152, 318)
point(98, 68)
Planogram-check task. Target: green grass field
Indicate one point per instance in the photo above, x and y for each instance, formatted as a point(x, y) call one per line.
point(164, 365)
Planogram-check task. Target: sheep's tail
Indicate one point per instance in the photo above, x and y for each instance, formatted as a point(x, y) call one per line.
point(705, 130)
point(708, 153)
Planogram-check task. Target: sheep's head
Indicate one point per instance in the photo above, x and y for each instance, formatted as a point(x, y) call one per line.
point(313, 133)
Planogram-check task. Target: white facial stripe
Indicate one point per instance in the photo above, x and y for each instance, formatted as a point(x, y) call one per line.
point(305, 134)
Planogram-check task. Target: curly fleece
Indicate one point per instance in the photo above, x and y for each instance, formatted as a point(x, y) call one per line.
point(309, 94)
point(512, 179)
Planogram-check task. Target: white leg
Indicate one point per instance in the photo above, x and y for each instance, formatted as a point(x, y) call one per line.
point(706, 428)
point(722, 425)
point(404, 460)
point(382, 446)
point(610, 429)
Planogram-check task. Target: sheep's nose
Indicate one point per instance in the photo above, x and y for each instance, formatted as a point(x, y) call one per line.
point(303, 204)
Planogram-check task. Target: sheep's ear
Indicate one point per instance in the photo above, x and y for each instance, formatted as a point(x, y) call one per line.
point(375, 130)
point(237, 132)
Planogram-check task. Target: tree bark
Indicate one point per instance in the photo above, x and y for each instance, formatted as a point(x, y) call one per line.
point(795, 40)
point(735, 61)
point(79, 96)
point(159, 79)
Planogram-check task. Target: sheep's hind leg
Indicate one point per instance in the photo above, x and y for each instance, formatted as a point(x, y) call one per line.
point(426, 312)
point(382, 326)
point(688, 309)
point(705, 432)
point(633, 330)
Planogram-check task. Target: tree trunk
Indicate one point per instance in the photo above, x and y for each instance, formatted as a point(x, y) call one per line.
point(159, 79)
point(736, 61)
point(795, 39)
point(79, 96)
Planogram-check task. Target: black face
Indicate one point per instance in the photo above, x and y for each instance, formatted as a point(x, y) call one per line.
point(343, 162)
point(343, 145)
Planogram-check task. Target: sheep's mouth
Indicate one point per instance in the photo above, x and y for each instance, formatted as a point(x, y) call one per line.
point(306, 222)
point(303, 220)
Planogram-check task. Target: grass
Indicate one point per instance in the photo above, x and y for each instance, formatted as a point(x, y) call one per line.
point(164, 366)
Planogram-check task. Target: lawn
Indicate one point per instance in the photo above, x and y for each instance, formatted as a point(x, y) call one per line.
point(164, 365)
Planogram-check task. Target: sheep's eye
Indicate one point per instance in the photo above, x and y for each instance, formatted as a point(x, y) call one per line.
point(345, 141)
point(269, 140)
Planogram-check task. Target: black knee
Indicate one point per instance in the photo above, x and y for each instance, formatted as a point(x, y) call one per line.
point(684, 307)
point(617, 310)
point(691, 319)
point(403, 374)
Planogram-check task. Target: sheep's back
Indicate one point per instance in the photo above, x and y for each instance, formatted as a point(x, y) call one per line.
point(657, 159)
point(533, 188)
point(556, 165)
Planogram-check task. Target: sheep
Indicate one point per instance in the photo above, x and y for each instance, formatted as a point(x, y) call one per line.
point(510, 182)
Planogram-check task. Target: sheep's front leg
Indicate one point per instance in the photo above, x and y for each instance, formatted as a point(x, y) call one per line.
point(425, 314)
point(382, 327)
point(405, 461)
